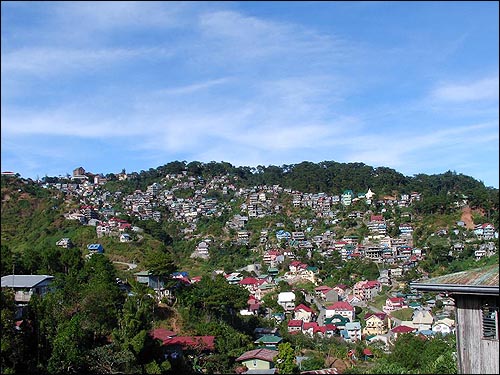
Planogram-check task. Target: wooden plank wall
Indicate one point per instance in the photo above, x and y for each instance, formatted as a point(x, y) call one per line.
point(475, 355)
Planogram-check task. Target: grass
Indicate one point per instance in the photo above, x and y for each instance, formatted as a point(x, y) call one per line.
point(403, 314)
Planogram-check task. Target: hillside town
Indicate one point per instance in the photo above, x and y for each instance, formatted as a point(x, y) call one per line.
point(364, 311)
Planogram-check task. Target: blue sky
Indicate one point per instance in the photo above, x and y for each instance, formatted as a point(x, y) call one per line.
point(109, 85)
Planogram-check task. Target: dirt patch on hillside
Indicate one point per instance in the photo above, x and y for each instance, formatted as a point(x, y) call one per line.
point(467, 217)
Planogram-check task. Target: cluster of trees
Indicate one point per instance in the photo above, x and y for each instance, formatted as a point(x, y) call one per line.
point(328, 176)
point(414, 354)
point(85, 324)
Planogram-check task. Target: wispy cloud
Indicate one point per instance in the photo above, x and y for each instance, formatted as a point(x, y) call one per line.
point(483, 89)
point(190, 89)
point(50, 61)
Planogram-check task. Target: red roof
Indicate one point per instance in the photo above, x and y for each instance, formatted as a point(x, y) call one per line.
point(402, 329)
point(254, 307)
point(308, 325)
point(381, 316)
point(295, 323)
point(322, 288)
point(372, 283)
point(330, 327)
point(273, 252)
point(262, 354)
point(162, 334)
point(249, 281)
point(192, 342)
point(321, 329)
point(303, 307)
point(367, 351)
point(399, 300)
point(341, 305)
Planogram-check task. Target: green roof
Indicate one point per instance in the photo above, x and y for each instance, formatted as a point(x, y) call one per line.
point(269, 339)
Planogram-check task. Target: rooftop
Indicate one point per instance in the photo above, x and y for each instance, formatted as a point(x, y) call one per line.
point(482, 281)
point(23, 281)
point(262, 354)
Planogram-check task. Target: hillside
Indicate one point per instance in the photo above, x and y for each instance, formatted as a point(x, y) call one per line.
point(259, 240)
point(33, 217)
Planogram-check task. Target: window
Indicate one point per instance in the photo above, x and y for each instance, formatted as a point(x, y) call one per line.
point(490, 322)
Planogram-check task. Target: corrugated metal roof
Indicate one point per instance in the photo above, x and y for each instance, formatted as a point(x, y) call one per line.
point(23, 281)
point(485, 276)
point(479, 281)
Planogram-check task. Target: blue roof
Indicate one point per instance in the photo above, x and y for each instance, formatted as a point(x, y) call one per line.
point(182, 273)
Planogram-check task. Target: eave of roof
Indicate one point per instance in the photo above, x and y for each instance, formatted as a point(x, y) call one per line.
point(480, 281)
point(457, 289)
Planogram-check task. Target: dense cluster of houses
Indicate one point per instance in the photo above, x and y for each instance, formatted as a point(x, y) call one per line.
point(161, 203)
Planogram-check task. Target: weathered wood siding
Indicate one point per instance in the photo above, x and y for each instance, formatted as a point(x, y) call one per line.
point(476, 355)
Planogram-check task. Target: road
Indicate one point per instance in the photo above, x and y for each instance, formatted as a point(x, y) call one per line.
point(321, 316)
point(131, 266)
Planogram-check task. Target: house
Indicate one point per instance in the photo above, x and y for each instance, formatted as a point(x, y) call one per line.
point(25, 286)
point(287, 300)
point(351, 332)
point(295, 325)
point(321, 290)
point(376, 324)
point(331, 296)
point(401, 330)
point(177, 346)
point(258, 359)
point(444, 326)
point(476, 294)
point(341, 308)
point(393, 303)
point(337, 320)
point(269, 341)
point(65, 242)
point(234, 278)
point(125, 237)
point(303, 312)
point(422, 320)
point(154, 282)
point(341, 290)
point(310, 328)
point(354, 300)
point(485, 231)
point(250, 283)
point(367, 289)
point(95, 248)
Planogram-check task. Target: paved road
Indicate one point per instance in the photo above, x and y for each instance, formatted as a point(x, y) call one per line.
point(321, 316)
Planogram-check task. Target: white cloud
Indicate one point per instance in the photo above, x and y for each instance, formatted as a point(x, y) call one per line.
point(483, 89)
point(50, 61)
point(193, 88)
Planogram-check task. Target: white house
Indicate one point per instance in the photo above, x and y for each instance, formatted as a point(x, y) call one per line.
point(341, 308)
point(287, 300)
